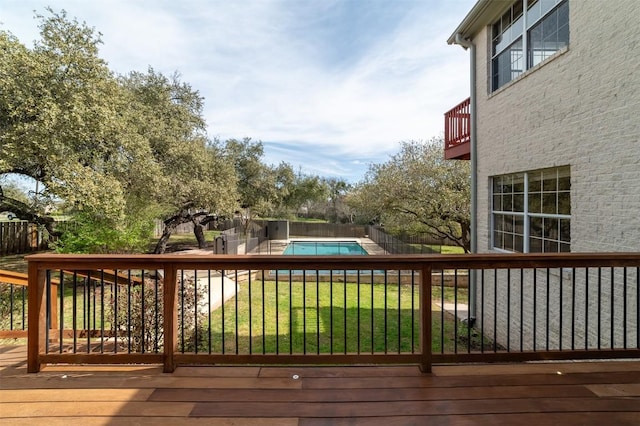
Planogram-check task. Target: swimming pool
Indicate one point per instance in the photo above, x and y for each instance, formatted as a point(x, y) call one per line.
point(324, 248)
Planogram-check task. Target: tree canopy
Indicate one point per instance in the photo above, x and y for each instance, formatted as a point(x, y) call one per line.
point(116, 152)
point(417, 188)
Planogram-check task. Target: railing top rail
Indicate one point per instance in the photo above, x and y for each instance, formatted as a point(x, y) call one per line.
point(11, 277)
point(456, 108)
point(436, 261)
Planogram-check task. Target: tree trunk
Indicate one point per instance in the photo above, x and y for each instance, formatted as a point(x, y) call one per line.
point(198, 230)
point(161, 246)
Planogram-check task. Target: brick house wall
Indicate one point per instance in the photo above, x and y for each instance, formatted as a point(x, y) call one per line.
point(580, 108)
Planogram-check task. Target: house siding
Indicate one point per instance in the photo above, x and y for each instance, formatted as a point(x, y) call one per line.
point(579, 108)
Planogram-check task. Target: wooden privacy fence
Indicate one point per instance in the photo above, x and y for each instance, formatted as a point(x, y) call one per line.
point(18, 236)
point(179, 310)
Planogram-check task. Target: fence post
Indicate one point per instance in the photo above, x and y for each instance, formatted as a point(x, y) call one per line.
point(170, 317)
point(36, 316)
point(425, 318)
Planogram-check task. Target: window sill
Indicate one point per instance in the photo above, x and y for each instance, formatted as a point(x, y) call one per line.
point(556, 55)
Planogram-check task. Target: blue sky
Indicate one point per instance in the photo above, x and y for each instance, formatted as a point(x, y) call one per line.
point(329, 86)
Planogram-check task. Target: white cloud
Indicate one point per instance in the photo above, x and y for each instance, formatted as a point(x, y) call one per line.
point(284, 71)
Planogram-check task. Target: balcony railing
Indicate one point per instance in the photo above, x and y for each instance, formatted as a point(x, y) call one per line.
point(457, 132)
point(178, 310)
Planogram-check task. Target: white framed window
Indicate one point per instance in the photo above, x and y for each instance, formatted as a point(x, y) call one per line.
point(531, 211)
point(526, 34)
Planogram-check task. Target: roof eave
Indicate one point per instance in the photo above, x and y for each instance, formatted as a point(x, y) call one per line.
point(483, 13)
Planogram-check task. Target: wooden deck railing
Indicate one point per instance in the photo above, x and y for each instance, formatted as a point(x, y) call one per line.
point(457, 131)
point(178, 310)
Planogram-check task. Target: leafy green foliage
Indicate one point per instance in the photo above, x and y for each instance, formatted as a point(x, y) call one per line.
point(91, 234)
point(417, 188)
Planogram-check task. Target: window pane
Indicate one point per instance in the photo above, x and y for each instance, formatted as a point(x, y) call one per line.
point(497, 202)
point(507, 65)
point(497, 184)
point(551, 246)
point(518, 225)
point(518, 243)
point(565, 230)
point(518, 182)
point(507, 203)
point(564, 202)
point(549, 205)
point(550, 182)
point(497, 239)
point(535, 181)
point(518, 202)
point(565, 248)
point(551, 228)
point(535, 203)
point(535, 227)
point(535, 245)
point(508, 242)
point(550, 34)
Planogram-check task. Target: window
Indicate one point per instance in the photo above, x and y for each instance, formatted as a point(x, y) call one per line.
point(531, 211)
point(540, 32)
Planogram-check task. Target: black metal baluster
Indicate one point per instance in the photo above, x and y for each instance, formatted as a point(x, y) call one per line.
point(264, 342)
point(61, 313)
point(304, 312)
point(344, 310)
point(547, 330)
point(586, 309)
point(386, 340)
point(600, 305)
point(317, 311)
point(156, 285)
point(182, 336)
point(11, 297)
point(521, 309)
point(236, 313)
point(358, 310)
point(290, 312)
point(331, 312)
point(114, 298)
point(455, 310)
point(508, 310)
point(442, 332)
point(143, 312)
point(48, 310)
point(399, 312)
point(624, 308)
point(573, 309)
point(599, 325)
point(495, 310)
point(209, 344)
point(277, 315)
point(372, 314)
point(482, 310)
point(535, 309)
point(561, 328)
point(75, 311)
point(250, 318)
point(195, 310)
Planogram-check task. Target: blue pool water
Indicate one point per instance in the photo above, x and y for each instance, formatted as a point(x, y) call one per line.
point(324, 248)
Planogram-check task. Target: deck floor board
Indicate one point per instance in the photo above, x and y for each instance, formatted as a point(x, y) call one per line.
point(567, 393)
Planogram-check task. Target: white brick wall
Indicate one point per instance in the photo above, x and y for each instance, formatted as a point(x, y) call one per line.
point(580, 108)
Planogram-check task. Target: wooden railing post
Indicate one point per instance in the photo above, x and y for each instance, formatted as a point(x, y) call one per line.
point(37, 317)
point(170, 317)
point(425, 318)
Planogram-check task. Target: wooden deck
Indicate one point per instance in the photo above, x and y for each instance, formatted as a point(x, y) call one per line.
point(578, 393)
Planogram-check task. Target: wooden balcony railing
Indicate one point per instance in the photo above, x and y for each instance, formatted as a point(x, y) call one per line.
point(457, 131)
point(178, 310)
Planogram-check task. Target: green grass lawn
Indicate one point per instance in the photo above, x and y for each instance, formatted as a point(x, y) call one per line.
point(322, 318)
